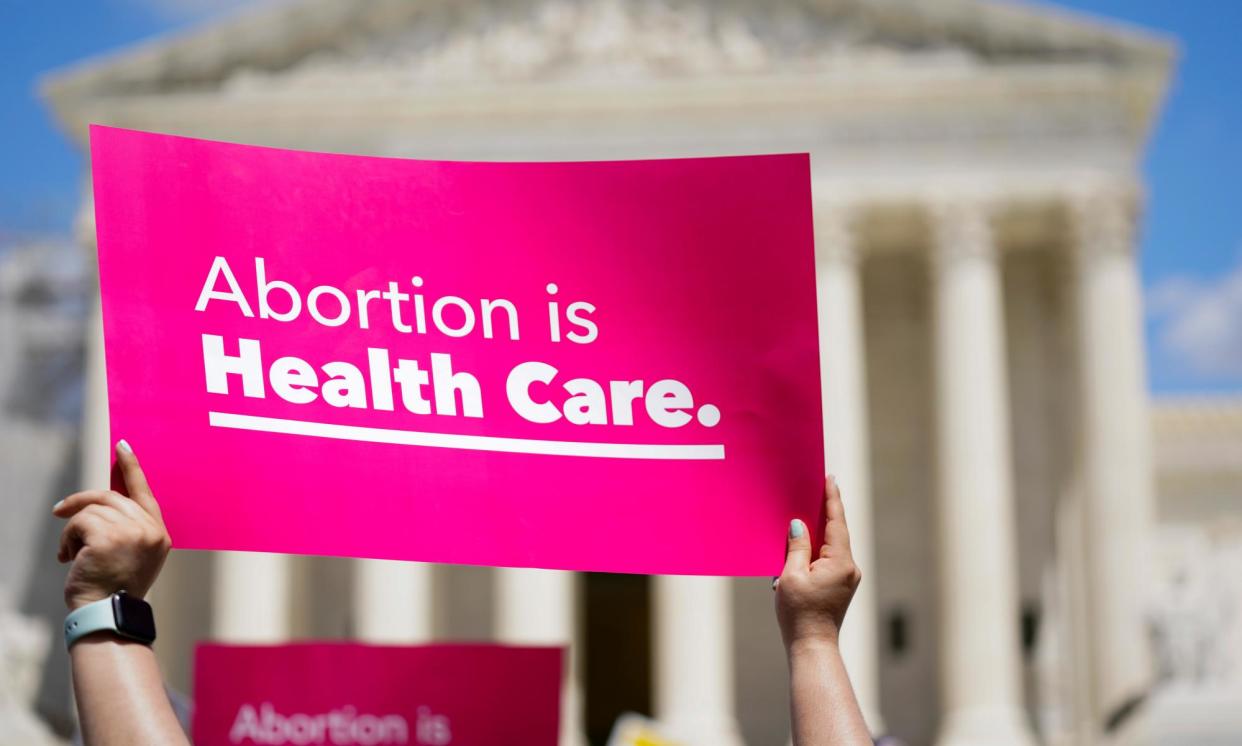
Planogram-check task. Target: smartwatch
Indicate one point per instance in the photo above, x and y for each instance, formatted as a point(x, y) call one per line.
point(121, 614)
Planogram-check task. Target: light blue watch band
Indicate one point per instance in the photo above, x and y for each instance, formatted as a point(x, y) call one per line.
point(93, 617)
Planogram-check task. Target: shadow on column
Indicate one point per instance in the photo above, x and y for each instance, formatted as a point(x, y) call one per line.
point(617, 650)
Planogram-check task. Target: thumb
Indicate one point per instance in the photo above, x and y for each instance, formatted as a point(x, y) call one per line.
point(798, 547)
point(134, 480)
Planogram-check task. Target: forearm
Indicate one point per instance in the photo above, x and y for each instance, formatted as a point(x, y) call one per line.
point(822, 703)
point(120, 694)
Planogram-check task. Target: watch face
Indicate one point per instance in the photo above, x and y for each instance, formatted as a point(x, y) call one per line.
point(133, 617)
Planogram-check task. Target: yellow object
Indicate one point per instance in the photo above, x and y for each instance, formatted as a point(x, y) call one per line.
point(636, 730)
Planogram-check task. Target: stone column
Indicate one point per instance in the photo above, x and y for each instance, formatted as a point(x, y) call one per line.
point(392, 601)
point(694, 687)
point(539, 607)
point(97, 442)
point(847, 450)
point(96, 436)
point(980, 656)
point(1116, 464)
point(250, 597)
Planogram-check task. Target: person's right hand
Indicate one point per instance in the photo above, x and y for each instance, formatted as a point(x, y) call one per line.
point(114, 542)
point(812, 596)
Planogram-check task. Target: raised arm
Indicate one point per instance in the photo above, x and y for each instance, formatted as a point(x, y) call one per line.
point(812, 595)
point(116, 542)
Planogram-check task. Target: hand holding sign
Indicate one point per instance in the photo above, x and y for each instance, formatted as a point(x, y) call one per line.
point(813, 592)
point(812, 595)
point(116, 542)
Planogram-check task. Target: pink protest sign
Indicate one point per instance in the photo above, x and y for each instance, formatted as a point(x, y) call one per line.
point(344, 693)
point(606, 366)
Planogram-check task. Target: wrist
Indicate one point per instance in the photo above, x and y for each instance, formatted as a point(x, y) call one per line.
point(814, 646)
point(79, 597)
point(77, 600)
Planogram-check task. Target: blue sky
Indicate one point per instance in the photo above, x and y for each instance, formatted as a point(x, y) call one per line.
point(1191, 240)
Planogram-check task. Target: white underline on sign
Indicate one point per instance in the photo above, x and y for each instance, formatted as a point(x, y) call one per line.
point(707, 452)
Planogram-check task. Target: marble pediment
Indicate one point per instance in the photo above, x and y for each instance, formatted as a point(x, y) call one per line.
point(445, 43)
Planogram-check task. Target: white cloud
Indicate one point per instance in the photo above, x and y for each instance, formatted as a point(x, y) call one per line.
point(1199, 323)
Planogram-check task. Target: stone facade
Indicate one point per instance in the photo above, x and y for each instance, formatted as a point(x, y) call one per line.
point(43, 290)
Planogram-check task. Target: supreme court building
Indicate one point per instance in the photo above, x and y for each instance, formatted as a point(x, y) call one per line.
point(977, 190)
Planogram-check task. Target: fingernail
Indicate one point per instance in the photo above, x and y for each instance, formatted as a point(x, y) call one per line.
point(124, 446)
point(832, 480)
point(56, 507)
point(796, 529)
